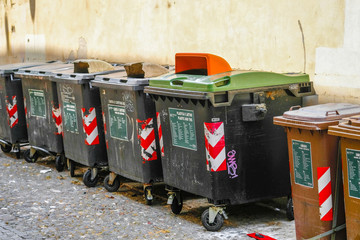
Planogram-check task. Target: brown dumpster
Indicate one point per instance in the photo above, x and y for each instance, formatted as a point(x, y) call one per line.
point(314, 170)
point(349, 131)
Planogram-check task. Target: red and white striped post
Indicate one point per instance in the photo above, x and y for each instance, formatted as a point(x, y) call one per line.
point(325, 196)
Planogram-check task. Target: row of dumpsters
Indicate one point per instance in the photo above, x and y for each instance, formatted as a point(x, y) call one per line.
point(227, 135)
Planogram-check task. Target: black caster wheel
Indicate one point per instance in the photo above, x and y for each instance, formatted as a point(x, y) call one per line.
point(176, 205)
point(60, 163)
point(216, 225)
point(71, 168)
point(290, 209)
point(27, 156)
point(87, 179)
point(6, 148)
point(148, 195)
point(114, 186)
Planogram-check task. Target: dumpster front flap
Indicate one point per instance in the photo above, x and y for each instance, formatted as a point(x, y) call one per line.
point(204, 63)
point(317, 117)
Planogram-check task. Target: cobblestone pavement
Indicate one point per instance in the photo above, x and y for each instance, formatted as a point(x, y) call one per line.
point(37, 202)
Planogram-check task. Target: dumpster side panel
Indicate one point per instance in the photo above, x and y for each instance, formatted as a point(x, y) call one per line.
point(15, 105)
point(256, 151)
point(96, 148)
point(41, 97)
point(350, 150)
point(184, 162)
point(125, 113)
point(4, 126)
point(71, 102)
point(80, 104)
point(152, 169)
point(318, 150)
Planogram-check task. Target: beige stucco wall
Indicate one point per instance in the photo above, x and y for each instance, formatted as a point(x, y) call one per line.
point(337, 70)
point(250, 34)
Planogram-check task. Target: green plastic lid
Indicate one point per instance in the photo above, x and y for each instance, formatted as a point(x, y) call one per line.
point(226, 81)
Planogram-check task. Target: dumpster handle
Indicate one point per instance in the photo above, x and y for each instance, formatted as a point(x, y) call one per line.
point(334, 112)
point(297, 107)
point(178, 81)
point(222, 81)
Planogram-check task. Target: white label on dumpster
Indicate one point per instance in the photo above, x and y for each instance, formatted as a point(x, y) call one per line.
point(303, 173)
point(117, 122)
point(182, 125)
point(353, 171)
point(70, 115)
point(37, 103)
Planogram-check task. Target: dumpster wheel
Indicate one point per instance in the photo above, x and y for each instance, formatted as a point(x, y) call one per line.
point(71, 167)
point(114, 186)
point(176, 206)
point(29, 158)
point(60, 162)
point(87, 179)
point(290, 209)
point(148, 195)
point(6, 148)
point(216, 225)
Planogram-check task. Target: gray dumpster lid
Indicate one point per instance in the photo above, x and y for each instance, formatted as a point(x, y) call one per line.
point(43, 70)
point(317, 117)
point(11, 68)
point(68, 76)
point(119, 80)
point(323, 112)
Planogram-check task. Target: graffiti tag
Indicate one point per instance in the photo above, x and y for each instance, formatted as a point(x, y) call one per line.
point(232, 166)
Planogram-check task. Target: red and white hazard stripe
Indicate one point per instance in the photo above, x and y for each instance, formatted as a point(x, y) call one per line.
point(215, 146)
point(56, 114)
point(90, 127)
point(147, 139)
point(325, 198)
point(12, 112)
point(161, 142)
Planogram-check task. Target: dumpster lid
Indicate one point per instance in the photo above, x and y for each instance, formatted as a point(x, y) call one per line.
point(10, 68)
point(317, 117)
point(69, 75)
point(46, 69)
point(233, 80)
point(119, 80)
point(348, 127)
point(205, 63)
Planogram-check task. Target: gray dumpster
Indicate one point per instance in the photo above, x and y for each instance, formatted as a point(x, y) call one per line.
point(131, 131)
point(43, 116)
point(83, 131)
point(12, 121)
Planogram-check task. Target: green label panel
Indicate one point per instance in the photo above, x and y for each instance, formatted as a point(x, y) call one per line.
point(353, 165)
point(117, 122)
point(70, 116)
point(302, 163)
point(182, 124)
point(37, 103)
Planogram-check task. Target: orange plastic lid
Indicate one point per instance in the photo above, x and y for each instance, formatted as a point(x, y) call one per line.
point(210, 63)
